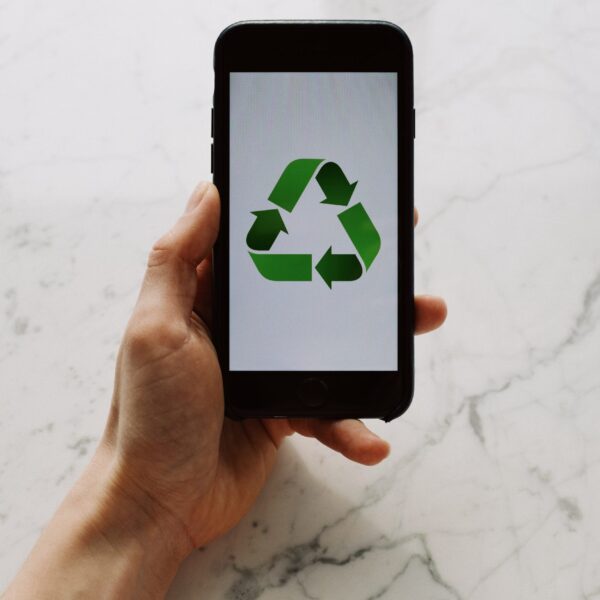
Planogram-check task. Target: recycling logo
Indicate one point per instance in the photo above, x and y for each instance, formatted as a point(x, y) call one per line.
point(285, 195)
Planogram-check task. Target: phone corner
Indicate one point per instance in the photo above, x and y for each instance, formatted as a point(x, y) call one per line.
point(233, 413)
point(403, 399)
point(398, 34)
point(225, 34)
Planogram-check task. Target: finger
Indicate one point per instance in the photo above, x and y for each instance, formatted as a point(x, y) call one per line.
point(277, 429)
point(416, 218)
point(204, 291)
point(170, 282)
point(349, 437)
point(430, 313)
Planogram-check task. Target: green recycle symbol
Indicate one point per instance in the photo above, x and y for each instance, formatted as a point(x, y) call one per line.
point(354, 219)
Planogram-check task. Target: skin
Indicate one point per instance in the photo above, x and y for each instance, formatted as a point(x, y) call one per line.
point(171, 473)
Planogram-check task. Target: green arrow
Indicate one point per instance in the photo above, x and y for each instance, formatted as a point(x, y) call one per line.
point(284, 267)
point(338, 267)
point(362, 232)
point(335, 186)
point(265, 229)
point(293, 181)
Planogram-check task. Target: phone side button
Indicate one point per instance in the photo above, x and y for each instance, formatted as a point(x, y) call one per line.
point(212, 158)
point(312, 392)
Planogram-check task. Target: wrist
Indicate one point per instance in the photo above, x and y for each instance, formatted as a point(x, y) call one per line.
point(105, 541)
point(122, 517)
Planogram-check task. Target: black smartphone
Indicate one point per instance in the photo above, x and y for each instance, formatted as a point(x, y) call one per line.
point(313, 127)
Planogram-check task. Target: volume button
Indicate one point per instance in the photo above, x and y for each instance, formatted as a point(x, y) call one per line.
point(212, 122)
point(414, 124)
point(212, 158)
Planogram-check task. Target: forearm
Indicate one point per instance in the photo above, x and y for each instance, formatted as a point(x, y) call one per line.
point(101, 543)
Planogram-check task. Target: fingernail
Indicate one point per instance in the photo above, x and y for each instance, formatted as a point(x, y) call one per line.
point(196, 196)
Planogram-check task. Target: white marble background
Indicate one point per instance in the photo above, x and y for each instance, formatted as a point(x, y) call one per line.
point(492, 490)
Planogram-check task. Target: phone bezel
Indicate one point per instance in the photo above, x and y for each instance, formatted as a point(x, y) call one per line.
point(316, 46)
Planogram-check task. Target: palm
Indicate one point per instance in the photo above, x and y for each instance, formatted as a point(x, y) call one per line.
point(242, 457)
point(203, 468)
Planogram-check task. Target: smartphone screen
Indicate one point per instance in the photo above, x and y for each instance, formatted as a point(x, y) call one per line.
point(313, 221)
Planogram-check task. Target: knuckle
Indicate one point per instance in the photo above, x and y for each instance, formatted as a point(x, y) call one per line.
point(162, 251)
point(149, 335)
point(139, 338)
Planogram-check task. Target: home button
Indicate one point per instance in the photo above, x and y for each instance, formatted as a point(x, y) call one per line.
point(312, 392)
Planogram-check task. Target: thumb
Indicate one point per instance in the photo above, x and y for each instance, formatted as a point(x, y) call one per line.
point(169, 286)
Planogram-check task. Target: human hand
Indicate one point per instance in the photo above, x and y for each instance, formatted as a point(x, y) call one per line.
point(176, 450)
point(171, 473)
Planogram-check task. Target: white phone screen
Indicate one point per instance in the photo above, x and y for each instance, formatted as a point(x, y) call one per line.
point(313, 217)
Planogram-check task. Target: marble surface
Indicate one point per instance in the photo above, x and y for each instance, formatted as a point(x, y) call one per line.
point(492, 490)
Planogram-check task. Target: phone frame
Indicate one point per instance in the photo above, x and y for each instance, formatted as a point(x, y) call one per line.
point(316, 46)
